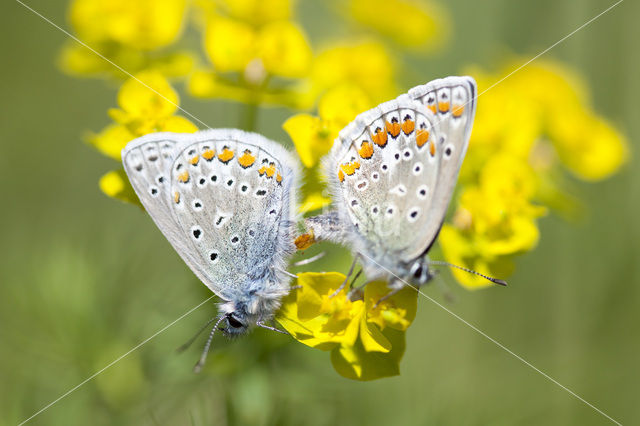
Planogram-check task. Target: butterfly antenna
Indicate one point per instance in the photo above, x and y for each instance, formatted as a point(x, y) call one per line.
point(203, 358)
point(189, 342)
point(471, 271)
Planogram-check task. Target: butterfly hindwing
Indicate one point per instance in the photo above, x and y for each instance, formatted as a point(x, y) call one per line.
point(225, 200)
point(232, 196)
point(394, 168)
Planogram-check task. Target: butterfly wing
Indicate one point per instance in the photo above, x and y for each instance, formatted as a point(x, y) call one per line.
point(394, 168)
point(230, 196)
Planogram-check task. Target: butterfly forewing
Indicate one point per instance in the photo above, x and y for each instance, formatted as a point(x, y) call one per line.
point(146, 161)
point(223, 198)
point(231, 201)
point(450, 104)
point(396, 166)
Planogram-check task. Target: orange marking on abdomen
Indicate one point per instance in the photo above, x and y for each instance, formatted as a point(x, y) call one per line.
point(408, 125)
point(432, 148)
point(183, 177)
point(443, 106)
point(246, 159)
point(194, 160)
point(380, 138)
point(457, 110)
point(393, 128)
point(350, 168)
point(226, 155)
point(422, 136)
point(366, 150)
point(209, 154)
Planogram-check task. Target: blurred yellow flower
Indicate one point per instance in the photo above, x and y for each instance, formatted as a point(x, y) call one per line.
point(147, 104)
point(128, 33)
point(249, 55)
point(257, 12)
point(313, 136)
point(414, 24)
point(526, 128)
point(140, 24)
point(367, 65)
point(116, 185)
point(366, 343)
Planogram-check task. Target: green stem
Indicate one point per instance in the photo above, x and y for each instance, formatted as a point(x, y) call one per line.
point(248, 116)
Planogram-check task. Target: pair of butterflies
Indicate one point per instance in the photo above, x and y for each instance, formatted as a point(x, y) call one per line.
point(226, 199)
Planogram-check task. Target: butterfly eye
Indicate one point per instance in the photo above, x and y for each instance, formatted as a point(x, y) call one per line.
point(234, 322)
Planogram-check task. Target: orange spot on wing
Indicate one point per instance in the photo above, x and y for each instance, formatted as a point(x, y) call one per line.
point(194, 160)
point(246, 159)
point(408, 125)
point(380, 138)
point(432, 108)
point(176, 197)
point(432, 148)
point(457, 110)
point(226, 155)
point(209, 154)
point(393, 128)
point(341, 175)
point(183, 177)
point(443, 106)
point(305, 240)
point(350, 168)
point(366, 150)
point(422, 136)
point(279, 178)
point(268, 170)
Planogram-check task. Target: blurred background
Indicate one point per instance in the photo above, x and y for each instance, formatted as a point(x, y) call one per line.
point(84, 278)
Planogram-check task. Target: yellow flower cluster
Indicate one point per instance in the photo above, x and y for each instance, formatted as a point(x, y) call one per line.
point(414, 24)
point(366, 342)
point(258, 54)
point(346, 88)
point(148, 104)
point(527, 129)
point(130, 33)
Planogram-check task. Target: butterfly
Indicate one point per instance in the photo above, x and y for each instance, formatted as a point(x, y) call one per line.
point(392, 172)
point(225, 199)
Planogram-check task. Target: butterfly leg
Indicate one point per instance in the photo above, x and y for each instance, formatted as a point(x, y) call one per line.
point(346, 279)
point(262, 325)
point(388, 295)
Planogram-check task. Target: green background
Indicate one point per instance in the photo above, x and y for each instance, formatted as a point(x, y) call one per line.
point(84, 278)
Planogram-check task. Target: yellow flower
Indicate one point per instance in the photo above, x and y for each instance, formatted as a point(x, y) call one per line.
point(366, 343)
point(313, 136)
point(116, 185)
point(414, 24)
point(314, 202)
point(367, 65)
point(257, 12)
point(147, 104)
point(140, 24)
point(129, 33)
point(247, 58)
point(527, 128)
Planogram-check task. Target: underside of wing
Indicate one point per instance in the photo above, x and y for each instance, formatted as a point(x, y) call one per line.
point(233, 197)
point(393, 169)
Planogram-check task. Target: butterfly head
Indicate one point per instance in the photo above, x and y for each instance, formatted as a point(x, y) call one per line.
point(252, 308)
